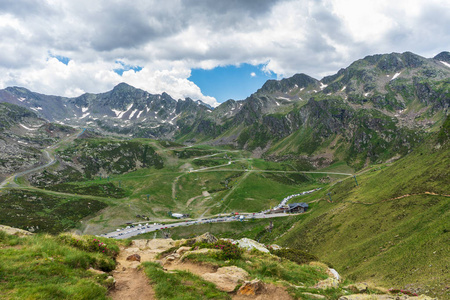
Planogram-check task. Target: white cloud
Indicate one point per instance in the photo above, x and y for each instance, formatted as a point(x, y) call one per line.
point(253, 74)
point(168, 39)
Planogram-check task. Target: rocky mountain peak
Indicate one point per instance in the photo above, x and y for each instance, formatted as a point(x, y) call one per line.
point(285, 85)
point(443, 56)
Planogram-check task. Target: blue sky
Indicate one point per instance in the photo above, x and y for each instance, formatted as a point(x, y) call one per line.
point(230, 82)
point(63, 59)
point(125, 67)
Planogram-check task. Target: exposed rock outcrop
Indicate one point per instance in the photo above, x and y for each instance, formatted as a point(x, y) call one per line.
point(206, 238)
point(134, 257)
point(250, 244)
point(15, 231)
point(327, 283)
point(251, 288)
point(227, 278)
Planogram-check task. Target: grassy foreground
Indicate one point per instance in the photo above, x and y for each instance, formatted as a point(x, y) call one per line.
point(55, 267)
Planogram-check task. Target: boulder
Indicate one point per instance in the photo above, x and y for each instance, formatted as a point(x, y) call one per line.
point(358, 287)
point(96, 271)
point(317, 296)
point(110, 282)
point(170, 258)
point(181, 250)
point(249, 244)
point(251, 288)
point(335, 274)
point(15, 231)
point(226, 278)
point(327, 283)
point(206, 238)
point(134, 257)
point(275, 247)
point(153, 244)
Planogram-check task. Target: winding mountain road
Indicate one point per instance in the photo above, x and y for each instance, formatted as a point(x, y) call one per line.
point(11, 180)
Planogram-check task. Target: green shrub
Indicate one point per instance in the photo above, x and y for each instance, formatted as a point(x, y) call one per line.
point(180, 284)
point(78, 260)
point(227, 249)
point(90, 244)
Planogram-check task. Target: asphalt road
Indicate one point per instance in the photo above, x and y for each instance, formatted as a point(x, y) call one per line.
point(145, 228)
point(10, 181)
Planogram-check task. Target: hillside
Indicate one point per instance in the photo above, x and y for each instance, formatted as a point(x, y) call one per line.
point(22, 137)
point(392, 227)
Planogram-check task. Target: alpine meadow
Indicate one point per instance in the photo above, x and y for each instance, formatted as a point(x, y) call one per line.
point(154, 186)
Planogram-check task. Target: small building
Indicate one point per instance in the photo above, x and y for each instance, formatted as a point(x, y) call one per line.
point(297, 207)
point(178, 216)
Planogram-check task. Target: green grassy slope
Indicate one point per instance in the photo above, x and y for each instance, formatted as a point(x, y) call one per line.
point(393, 228)
point(55, 267)
point(42, 212)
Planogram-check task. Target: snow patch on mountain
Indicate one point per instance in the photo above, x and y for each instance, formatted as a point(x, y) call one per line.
point(27, 128)
point(396, 75)
point(120, 113)
point(284, 98)
point(132, 114)
point(445, 63)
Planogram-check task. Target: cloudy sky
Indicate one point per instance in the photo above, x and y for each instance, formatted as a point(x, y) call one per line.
point(203, 49)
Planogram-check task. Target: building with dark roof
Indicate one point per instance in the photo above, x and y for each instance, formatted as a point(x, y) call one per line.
point(297, 207)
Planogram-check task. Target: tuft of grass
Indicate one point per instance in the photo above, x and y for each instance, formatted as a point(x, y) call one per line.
point(295, 255)
point(180, 285)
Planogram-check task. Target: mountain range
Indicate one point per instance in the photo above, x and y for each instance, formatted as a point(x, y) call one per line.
point(372, 142)
point(376, 109)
